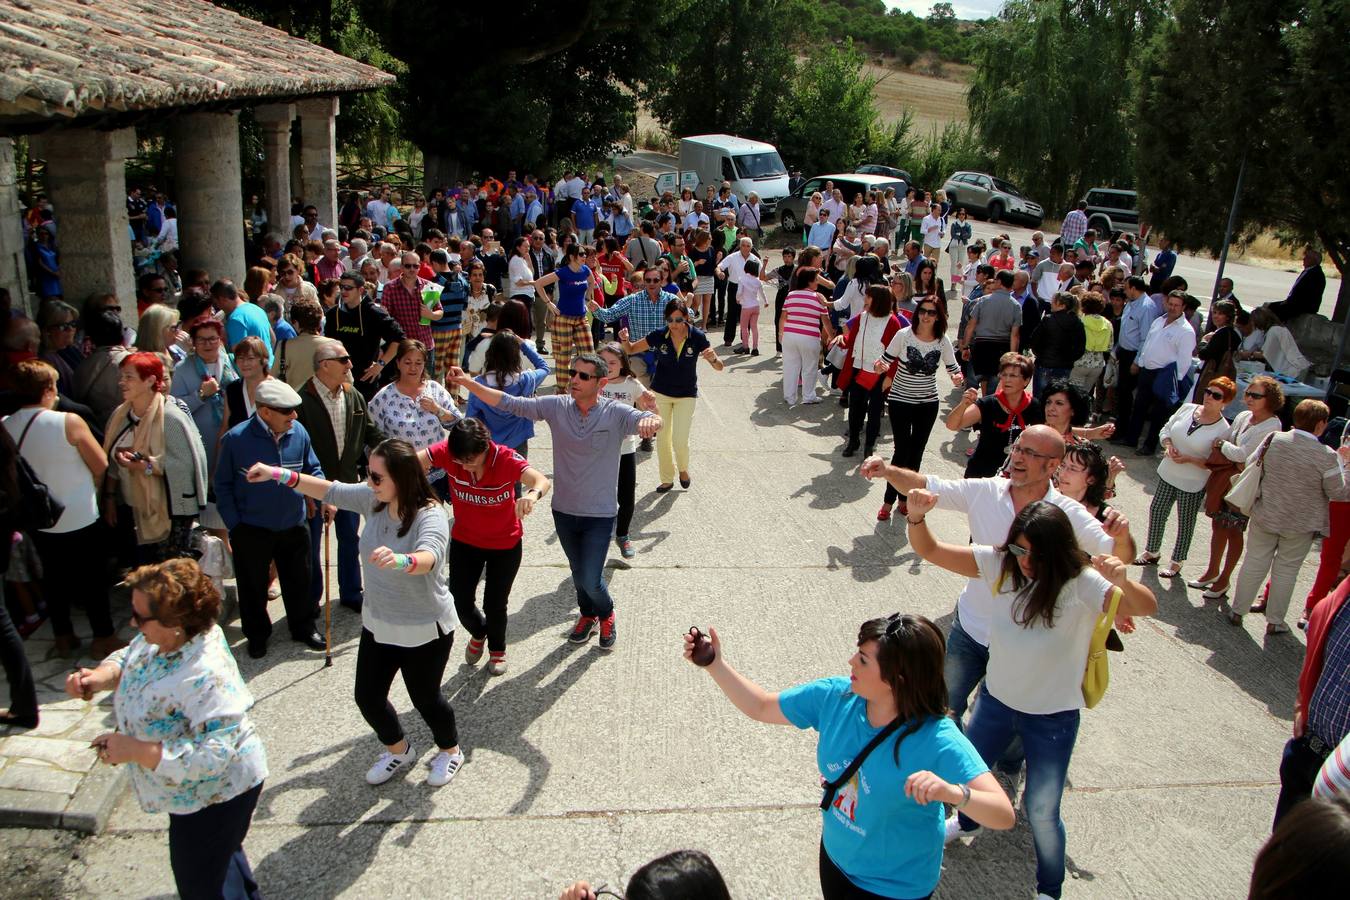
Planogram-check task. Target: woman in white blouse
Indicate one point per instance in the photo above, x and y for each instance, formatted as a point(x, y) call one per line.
point(1279, 349)
point(1264, 399)
point(1187, 438)
point(415, 408)
point(520, 274)
point(183, 726)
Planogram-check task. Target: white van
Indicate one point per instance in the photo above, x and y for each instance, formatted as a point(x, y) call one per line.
point(748, 165)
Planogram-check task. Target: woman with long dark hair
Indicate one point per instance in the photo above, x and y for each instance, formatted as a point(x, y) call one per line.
point(885, 841)
point(865, 340)
point(414, 407)
point(504, 369)
point(407, 620)
point(928, 284)
point(483, 478)
point(910, 363)
point(1048, 595)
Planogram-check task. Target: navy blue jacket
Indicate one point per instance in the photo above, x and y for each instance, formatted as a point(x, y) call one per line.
point(268, 505)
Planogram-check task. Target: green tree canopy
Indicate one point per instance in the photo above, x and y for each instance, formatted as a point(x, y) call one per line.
point(1270, 87)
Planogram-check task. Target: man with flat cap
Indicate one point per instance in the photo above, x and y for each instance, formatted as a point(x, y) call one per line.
point(267, 522)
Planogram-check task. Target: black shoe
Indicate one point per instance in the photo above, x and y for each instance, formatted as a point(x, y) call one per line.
point(685, 482)
point(664, 488)
point(14, 720)
point(741, 350)
point(543, 351)
point(754, 352)
point(645, 445)
point(313, 640)
point(257, 649)
point(354, 606)
point(851, 448)
point(867, 451)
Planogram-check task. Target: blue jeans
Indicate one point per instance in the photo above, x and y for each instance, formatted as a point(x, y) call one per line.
point(585, 541)
point(345, 523)
point(1048, 740)
point(964, 668)
point(1045, 376)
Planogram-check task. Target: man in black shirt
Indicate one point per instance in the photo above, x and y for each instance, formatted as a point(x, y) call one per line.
point(366, 329)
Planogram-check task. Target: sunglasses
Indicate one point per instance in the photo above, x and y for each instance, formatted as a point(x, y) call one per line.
point(651, 281)
point(1253, 394)
point(284, 412)
point(375, 478)
point(1019, 551)
point(584, 376)
point(926, 311)
point(71, 326)
point(1217, 395)
point(140, 621)
point(347, 287)
point(339, 359)
point(676, 320)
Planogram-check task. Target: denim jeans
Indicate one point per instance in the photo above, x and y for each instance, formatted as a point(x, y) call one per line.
point(345, 523)
point(585, 541)
point(1048, 740)
point(966, 661)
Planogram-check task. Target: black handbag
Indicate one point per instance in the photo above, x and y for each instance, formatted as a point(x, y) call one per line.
point(41, 509)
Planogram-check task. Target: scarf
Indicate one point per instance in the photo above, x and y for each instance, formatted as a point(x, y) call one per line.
point(216, 401)
point(1014, 413)
point(149, 498)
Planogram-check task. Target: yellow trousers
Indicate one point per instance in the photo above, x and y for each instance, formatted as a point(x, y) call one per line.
point(672, 441)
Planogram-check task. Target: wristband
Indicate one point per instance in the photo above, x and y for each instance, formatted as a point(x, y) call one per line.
point(278, 475)
point(912, 522)
point(292, 479)
point(965, 796)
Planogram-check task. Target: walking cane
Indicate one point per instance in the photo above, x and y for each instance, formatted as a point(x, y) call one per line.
point(327, 602)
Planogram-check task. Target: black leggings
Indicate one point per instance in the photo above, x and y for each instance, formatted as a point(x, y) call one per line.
point(627, 492)
point(467, 562)
point(422, 668)
point(864, 404)
point(834, 884)
point(911, 424)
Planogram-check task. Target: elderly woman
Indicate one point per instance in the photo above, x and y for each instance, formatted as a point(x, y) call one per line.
point(1264, 399)
point(250, 361)
point(95, 383)
point(293, 361)
point(183, 727)
point(59, 322)
point(678, 348)
point(1299, 478)
point(1218, 349)
point(201, 381)
point(414, 407)
point(1002, 415)
point(1187, 439)
point(157, 479)
point(159, 332)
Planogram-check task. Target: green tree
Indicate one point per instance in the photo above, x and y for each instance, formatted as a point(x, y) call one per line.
point(831, 114)
point(942, 14)
point(1267, 93)
point(1051, 98)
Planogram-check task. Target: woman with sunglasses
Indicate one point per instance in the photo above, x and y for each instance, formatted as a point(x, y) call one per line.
point(483, 478)
point(1264, 398)
point(909, 364)
point(884, 840)
point(571, 334)
point(678, 348)
point(183, 727)
point(1188, 437)
point(407, 620)
point(1048, 595)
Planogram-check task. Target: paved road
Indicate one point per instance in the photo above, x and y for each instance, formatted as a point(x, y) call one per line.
point(583, 764)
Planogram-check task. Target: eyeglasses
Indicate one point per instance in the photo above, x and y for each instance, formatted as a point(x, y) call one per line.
point(375, 478)
point(1019, 551)
point(71, 326)
point(1017, 448)
point(584, 376)
point(1217, 395)
point(651, 281)
point(1253, 394)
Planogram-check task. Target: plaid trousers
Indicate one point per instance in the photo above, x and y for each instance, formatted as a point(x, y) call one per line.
point(571, 336)
point(448, 350)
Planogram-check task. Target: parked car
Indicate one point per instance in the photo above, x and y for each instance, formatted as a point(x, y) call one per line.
point(984, 195)
point(1111, 210)
point(888, 171)
point(792, 210)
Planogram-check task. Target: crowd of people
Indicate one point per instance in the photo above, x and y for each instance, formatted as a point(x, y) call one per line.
point(382, 379)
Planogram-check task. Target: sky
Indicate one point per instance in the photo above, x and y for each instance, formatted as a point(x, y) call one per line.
point(965, 9)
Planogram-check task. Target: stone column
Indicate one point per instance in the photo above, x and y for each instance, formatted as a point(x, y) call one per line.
point(13, 272)
point(275, 120)
point(86, 179)
point(210, 206)
point(318, 156)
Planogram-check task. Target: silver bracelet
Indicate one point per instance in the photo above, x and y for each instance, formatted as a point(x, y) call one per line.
point(965, 796)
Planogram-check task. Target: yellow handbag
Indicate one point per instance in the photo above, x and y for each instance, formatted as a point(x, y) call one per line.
point(1097, 675)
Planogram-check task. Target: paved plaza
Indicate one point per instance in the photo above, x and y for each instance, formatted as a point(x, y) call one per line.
point(583, 764)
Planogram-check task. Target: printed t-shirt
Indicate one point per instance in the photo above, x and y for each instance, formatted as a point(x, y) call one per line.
point(882, 840)
point(485, 508)
point(572, 290)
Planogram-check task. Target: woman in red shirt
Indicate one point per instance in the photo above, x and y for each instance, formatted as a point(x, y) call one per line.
point(487, 529)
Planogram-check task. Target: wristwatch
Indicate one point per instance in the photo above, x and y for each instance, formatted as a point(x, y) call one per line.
point(965, 796)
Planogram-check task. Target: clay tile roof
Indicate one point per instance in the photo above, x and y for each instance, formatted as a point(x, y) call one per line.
point(66, 58)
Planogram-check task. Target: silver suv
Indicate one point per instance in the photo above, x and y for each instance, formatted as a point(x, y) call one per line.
point(994, 198)
point(1110, 210)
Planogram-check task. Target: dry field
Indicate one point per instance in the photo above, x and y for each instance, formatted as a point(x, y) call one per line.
point(933, 101)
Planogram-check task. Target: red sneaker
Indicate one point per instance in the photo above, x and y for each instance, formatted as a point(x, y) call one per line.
point(607, 633)
point(884, 514)
point(581, 632)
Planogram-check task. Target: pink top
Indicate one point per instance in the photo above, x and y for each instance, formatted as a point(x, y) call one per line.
point(802, 311)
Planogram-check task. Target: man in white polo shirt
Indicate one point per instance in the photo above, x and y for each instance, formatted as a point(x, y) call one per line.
point(991, 504)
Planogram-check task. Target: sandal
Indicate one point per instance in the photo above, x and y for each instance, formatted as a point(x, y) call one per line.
point(1276, 628)
point(1202, 582)
point(1171, 571)
point(1147, 559)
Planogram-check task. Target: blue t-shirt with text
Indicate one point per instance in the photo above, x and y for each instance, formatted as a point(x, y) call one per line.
point(882, 840)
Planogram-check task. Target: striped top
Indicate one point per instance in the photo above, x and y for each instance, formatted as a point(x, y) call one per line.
point(802, 312)
point(1334, 776)
point(916, 372)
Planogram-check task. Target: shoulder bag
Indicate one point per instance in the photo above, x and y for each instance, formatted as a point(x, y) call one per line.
point(1097, 674)
point(41, 509)
point(1247, 486)
point(832, 787)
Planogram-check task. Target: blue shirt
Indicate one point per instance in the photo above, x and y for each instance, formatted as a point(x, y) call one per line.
point(248, 319)
point(676, 372)
point(1165, 261)
point(821, 235)
point(268, 505)
point(585, 212)
point(882, 840)
point(284, 330)
point(1135, 319)
point(644, 316)
point(572, 289)
point(454, 297)
point(506, 429)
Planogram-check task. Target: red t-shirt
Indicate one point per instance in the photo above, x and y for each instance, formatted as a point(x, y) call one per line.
point(485, 508)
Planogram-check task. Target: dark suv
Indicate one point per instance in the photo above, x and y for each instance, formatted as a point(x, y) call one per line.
point(1110, 210)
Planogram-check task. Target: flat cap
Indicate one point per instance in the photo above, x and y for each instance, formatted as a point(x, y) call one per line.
point(277, 394)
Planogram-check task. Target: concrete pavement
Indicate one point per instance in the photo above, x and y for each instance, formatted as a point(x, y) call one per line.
point(586, 765)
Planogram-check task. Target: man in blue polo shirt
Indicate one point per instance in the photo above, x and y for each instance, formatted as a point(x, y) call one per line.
point(267, 521)
point(584, 213)
point(242, 319)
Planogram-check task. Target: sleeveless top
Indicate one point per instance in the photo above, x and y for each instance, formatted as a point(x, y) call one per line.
point(58, 464)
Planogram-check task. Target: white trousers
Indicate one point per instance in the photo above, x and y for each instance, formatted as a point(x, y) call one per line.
point(801, 364)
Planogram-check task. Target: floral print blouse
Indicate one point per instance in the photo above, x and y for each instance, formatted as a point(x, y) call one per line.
point(399, 416)
point(194, 702)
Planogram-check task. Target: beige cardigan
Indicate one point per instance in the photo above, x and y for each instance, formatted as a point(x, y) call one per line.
point(1301, 477)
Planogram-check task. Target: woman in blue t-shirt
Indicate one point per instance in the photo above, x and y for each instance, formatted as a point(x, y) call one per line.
point(882, 830)
point(678, 348)
point(571, 333)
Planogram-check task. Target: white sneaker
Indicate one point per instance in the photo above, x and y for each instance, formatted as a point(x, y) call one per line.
point(953, 831)
point(443, 768)
point(390, 763)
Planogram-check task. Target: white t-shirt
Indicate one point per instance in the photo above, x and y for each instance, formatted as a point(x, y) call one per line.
point(626, 391)
point(932, 230)
point(1035, 669)
point(749, 291)
point(988, 506)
